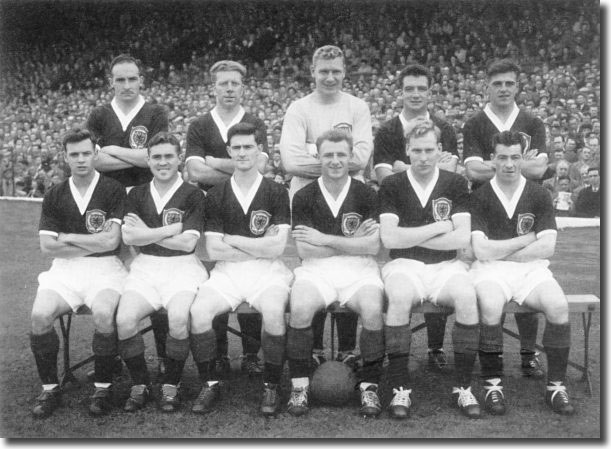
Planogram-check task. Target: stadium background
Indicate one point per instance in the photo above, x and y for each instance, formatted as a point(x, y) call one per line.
point(54, 56)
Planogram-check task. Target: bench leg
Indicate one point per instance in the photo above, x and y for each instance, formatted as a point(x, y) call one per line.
point(587, 323)
point(67, 376)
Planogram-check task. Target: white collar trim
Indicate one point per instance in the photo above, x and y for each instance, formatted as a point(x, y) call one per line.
point(83, 201)
point(125, 119)
point(334, 204)
point(423, 194)
point(509, 204)
point(160, 201)
point(496, 121)
point(221, 125)
point(246, 200)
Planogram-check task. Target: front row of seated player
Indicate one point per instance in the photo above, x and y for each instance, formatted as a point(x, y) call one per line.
point(425, 215)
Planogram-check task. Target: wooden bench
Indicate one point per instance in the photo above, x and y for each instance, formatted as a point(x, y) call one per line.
point(584, 304)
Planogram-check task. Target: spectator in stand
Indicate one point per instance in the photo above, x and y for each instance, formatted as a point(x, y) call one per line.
point(562, 197)
point(583, 163)
point(587, 203)
point(562, 170)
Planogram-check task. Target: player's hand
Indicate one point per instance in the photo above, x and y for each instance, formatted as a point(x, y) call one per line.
point(367, 228)
point(272, 230)
point(531, 155)
point(445, 226)
point(107, 226)
point(309, 235)
point(411, 124)
point(399, 167)
point(134, 221)
point(210, 161)
point(446, 157)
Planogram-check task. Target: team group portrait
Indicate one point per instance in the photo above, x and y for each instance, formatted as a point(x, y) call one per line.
point(300, 219)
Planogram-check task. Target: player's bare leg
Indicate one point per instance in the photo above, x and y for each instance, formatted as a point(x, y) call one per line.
point(550, 299)
point(491, 300)
point(133, 307)
point(44, 342)
point(459, 293)
point(177, 349)
point(272, 305)
point(401, 294)
point(305, 301)
point(367, 302)
point(105, 350)
point(202, 339)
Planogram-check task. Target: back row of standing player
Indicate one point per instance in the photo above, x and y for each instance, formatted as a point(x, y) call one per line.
point(413, 224)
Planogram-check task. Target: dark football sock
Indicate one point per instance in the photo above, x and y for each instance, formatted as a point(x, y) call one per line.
point(398, 345)
point(219, 325)
point(557, 341)
point(435, 329)
point(465, 340)
point(250, 325)
point(45, 348)
point(299, 351)
point(347, 324)
point(272, 373)
point(203, 348)
point(491, 351)
point(159, 323)
point(528, 325)
point(177, 353)
point(318, 329)
point(105, 348)
point(132, 353)
point(372, 352)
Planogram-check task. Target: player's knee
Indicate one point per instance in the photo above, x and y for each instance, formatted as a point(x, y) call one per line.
point(302, 313)
point(42, 321)
point(556, 310)
point(127, 322)
point(200, 316)
point(178, 322)
point(104, 321)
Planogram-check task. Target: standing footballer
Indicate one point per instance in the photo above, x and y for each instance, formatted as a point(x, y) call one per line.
point(514, 233)
point(164, 221)
point(80, 229)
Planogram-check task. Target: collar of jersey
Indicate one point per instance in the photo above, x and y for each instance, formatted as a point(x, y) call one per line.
point(334, 204)
point(221, 125)
point(496, 121)
point(159, 201)
point(125, 119)
point(508, 204)
point(423, 194)
point(245, 200)
point(83, 201)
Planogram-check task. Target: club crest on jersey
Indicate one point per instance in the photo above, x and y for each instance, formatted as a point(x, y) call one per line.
point(171, 216)
point(344, 126)
point(94, 220)
point(350, 223)
point(525, 141)
point(138, 136)
point(525, 223)
point(259, 221)
point(442, 209)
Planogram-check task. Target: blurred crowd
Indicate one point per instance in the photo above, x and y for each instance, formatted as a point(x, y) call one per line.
point(55, 57)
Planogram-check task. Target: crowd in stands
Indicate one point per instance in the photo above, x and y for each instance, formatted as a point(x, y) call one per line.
point(55, 56)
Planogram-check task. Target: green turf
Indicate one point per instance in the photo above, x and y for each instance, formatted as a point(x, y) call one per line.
point(577, 268)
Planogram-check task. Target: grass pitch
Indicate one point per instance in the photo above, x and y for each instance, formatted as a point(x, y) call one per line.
point(576, 266)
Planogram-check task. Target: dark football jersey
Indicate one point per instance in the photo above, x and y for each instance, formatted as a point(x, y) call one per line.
point(534, 212)
point(310, 208)
point(186, 206)
point(60, 212)
point(106, 127)
point(389, 143)
point(269, 206)
point(204, 138)
point(479, 129)
point(450, 196)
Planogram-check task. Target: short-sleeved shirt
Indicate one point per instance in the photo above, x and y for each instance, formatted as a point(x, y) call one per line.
point(534, 211)
point(184, 204)
point(314, 207)
point(448, 197)
point(267, 205)
point(107, 129)
point(389, 143)
point(63, 209)
point(479, 129)
point(204, 138)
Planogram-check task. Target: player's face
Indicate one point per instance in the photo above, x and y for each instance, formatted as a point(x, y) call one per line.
point(416, 93)
point(502, 89)
point(334, 158)
point(244, 152)
point(593, 178)
point(126, 81)
point(507, 161)
point(228, 89)
point(80, 157)
point(424, 153)
point(328, 75)
point(163, 160)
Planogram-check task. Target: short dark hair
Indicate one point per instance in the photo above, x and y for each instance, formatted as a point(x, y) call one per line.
point(507, 138)
point(227, 65)
point(423, 128)
point(562, 178)
point(503, 66)
point(414, 70)
point(594, 168)
point(335, 135)
point(122, 59)
point(76, 135)
point(161, 138)
point(244, 129)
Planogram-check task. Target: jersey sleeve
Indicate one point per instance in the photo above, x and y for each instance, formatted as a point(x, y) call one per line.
point(117, 203)
point(213, 209)
point(262, 131)
point(473, 148)
point(371, 204)
point(281, 214)
point(546, 220)
point(95, 125)
point(538, 136)
point(448, 139)
point(362, 134)
point(193, 219)
point(460, 195)
point(387, 196)
point(477, 207)
point(50, 221)
point(195, 141)
point(383, 146)
point(301, 212)
point(131, 203)
point(159, 121)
